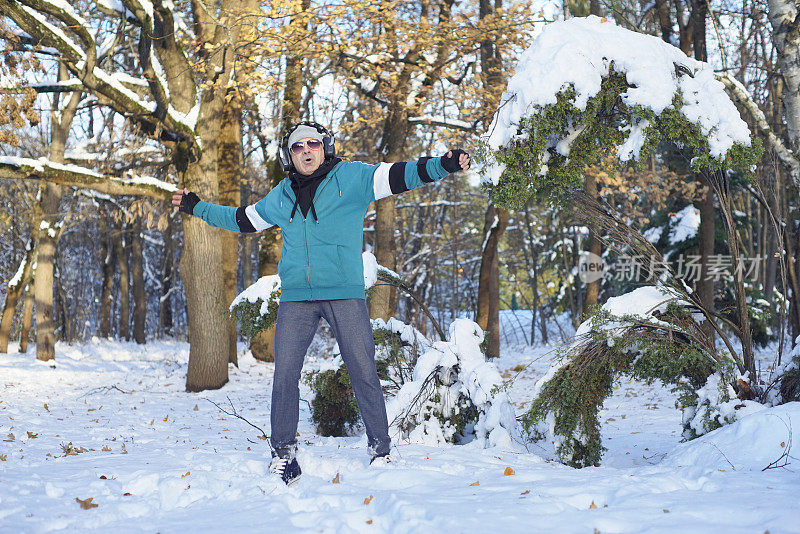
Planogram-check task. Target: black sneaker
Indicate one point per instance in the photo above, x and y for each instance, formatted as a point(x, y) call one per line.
point(383, 459)
point(288, 470)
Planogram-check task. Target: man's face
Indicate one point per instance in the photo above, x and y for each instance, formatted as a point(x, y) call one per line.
point(306, 159)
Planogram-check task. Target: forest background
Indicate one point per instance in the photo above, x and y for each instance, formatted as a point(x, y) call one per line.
point(109, 106)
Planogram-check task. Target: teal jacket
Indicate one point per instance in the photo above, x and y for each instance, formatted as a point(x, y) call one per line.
point(322, 260)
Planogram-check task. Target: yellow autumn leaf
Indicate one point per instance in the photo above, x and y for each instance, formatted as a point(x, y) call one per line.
point(335, 479)
point(186, 474)
point(593, 506)
point(508, 472)
point(368, 500)
point(476, 483)
point(87, 503)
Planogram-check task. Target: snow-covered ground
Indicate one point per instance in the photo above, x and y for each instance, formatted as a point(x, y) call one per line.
point(110, 422)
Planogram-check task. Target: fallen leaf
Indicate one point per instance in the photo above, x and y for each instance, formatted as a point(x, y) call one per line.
point(525, 492)
point(106, 448)
point(87, 504)
point(165, 419)
point(186, 474)
point(45, 407)
point(152, 421)
point(195, 408)
point(593, 506)
point(665, 511)
point(262, 436)
point(368, 500)
point(603, 20)
point(369, 521)
point(3, 457)
point(476, 483)
point(783, 443)
point(335, 479)
point(508, 472)
point(31, 435)
point(10, 437)
point(127, 494)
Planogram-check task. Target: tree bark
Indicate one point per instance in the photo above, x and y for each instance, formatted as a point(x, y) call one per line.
point(488, 315)
point(50, 198)
point(229, 169)
point(167, 274)
point(706, 233)
point(595, 247)
point(138, 288)
point(27, 318)
point(13, 293)
point(123, 254)
point(108, 258)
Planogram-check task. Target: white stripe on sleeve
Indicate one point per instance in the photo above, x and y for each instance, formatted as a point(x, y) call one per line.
point(380, 183)
point(255, 219)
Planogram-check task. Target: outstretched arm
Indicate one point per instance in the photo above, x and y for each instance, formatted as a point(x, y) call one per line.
point(243, 219)
point(393, 178)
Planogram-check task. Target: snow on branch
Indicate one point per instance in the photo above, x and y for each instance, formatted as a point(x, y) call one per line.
point(13, 168)
point(784, 153)
point(634, 91)
point(37, 26)
point(446, 123)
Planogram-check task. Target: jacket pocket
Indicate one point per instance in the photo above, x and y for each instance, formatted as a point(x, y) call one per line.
point(326, 267)
point(292, 269)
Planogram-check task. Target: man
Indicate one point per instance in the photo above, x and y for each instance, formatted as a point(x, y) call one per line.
point(320, 209)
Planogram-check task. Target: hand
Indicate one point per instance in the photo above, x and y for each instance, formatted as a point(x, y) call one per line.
point(185, 201)
point(456, 160)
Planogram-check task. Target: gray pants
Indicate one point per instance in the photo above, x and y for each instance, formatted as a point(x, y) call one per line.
point(295, 328)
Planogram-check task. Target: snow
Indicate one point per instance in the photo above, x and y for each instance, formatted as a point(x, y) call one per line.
point(196, 468)
point(17, 278)
point(684, 224)
point(416, 412)
point(751, 443)
point(578, 52)
point(40, 19)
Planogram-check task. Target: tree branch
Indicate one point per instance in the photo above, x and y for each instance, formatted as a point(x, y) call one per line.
point(783, 152)
point(72, 175)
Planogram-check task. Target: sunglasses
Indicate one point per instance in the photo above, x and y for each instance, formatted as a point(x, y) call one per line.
point(313, 144)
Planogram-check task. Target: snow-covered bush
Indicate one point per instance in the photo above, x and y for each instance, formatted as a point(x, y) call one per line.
point(455, 395)
point(649, 333)
point(256, 308)
point(789, 376)
point(587, 88)
point(334, 409)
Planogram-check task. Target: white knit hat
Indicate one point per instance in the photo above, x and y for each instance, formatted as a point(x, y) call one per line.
point(304, 132)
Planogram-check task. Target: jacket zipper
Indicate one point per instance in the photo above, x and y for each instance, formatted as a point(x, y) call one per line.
point(305, 237)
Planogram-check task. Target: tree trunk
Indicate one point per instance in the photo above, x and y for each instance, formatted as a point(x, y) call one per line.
point(784, 15)
point(383, 297)
point(488, 315)
point(707, 230)
point(138, 288)
point(167, 274)
point(595, 247)
point(123, 252)
point(229, 169)
point(13, 293)
point(705, 242)
point(50, 198)
point(108, 258)
point(27, 318)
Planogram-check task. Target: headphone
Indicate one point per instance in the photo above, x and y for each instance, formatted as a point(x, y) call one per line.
point(328, 144)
